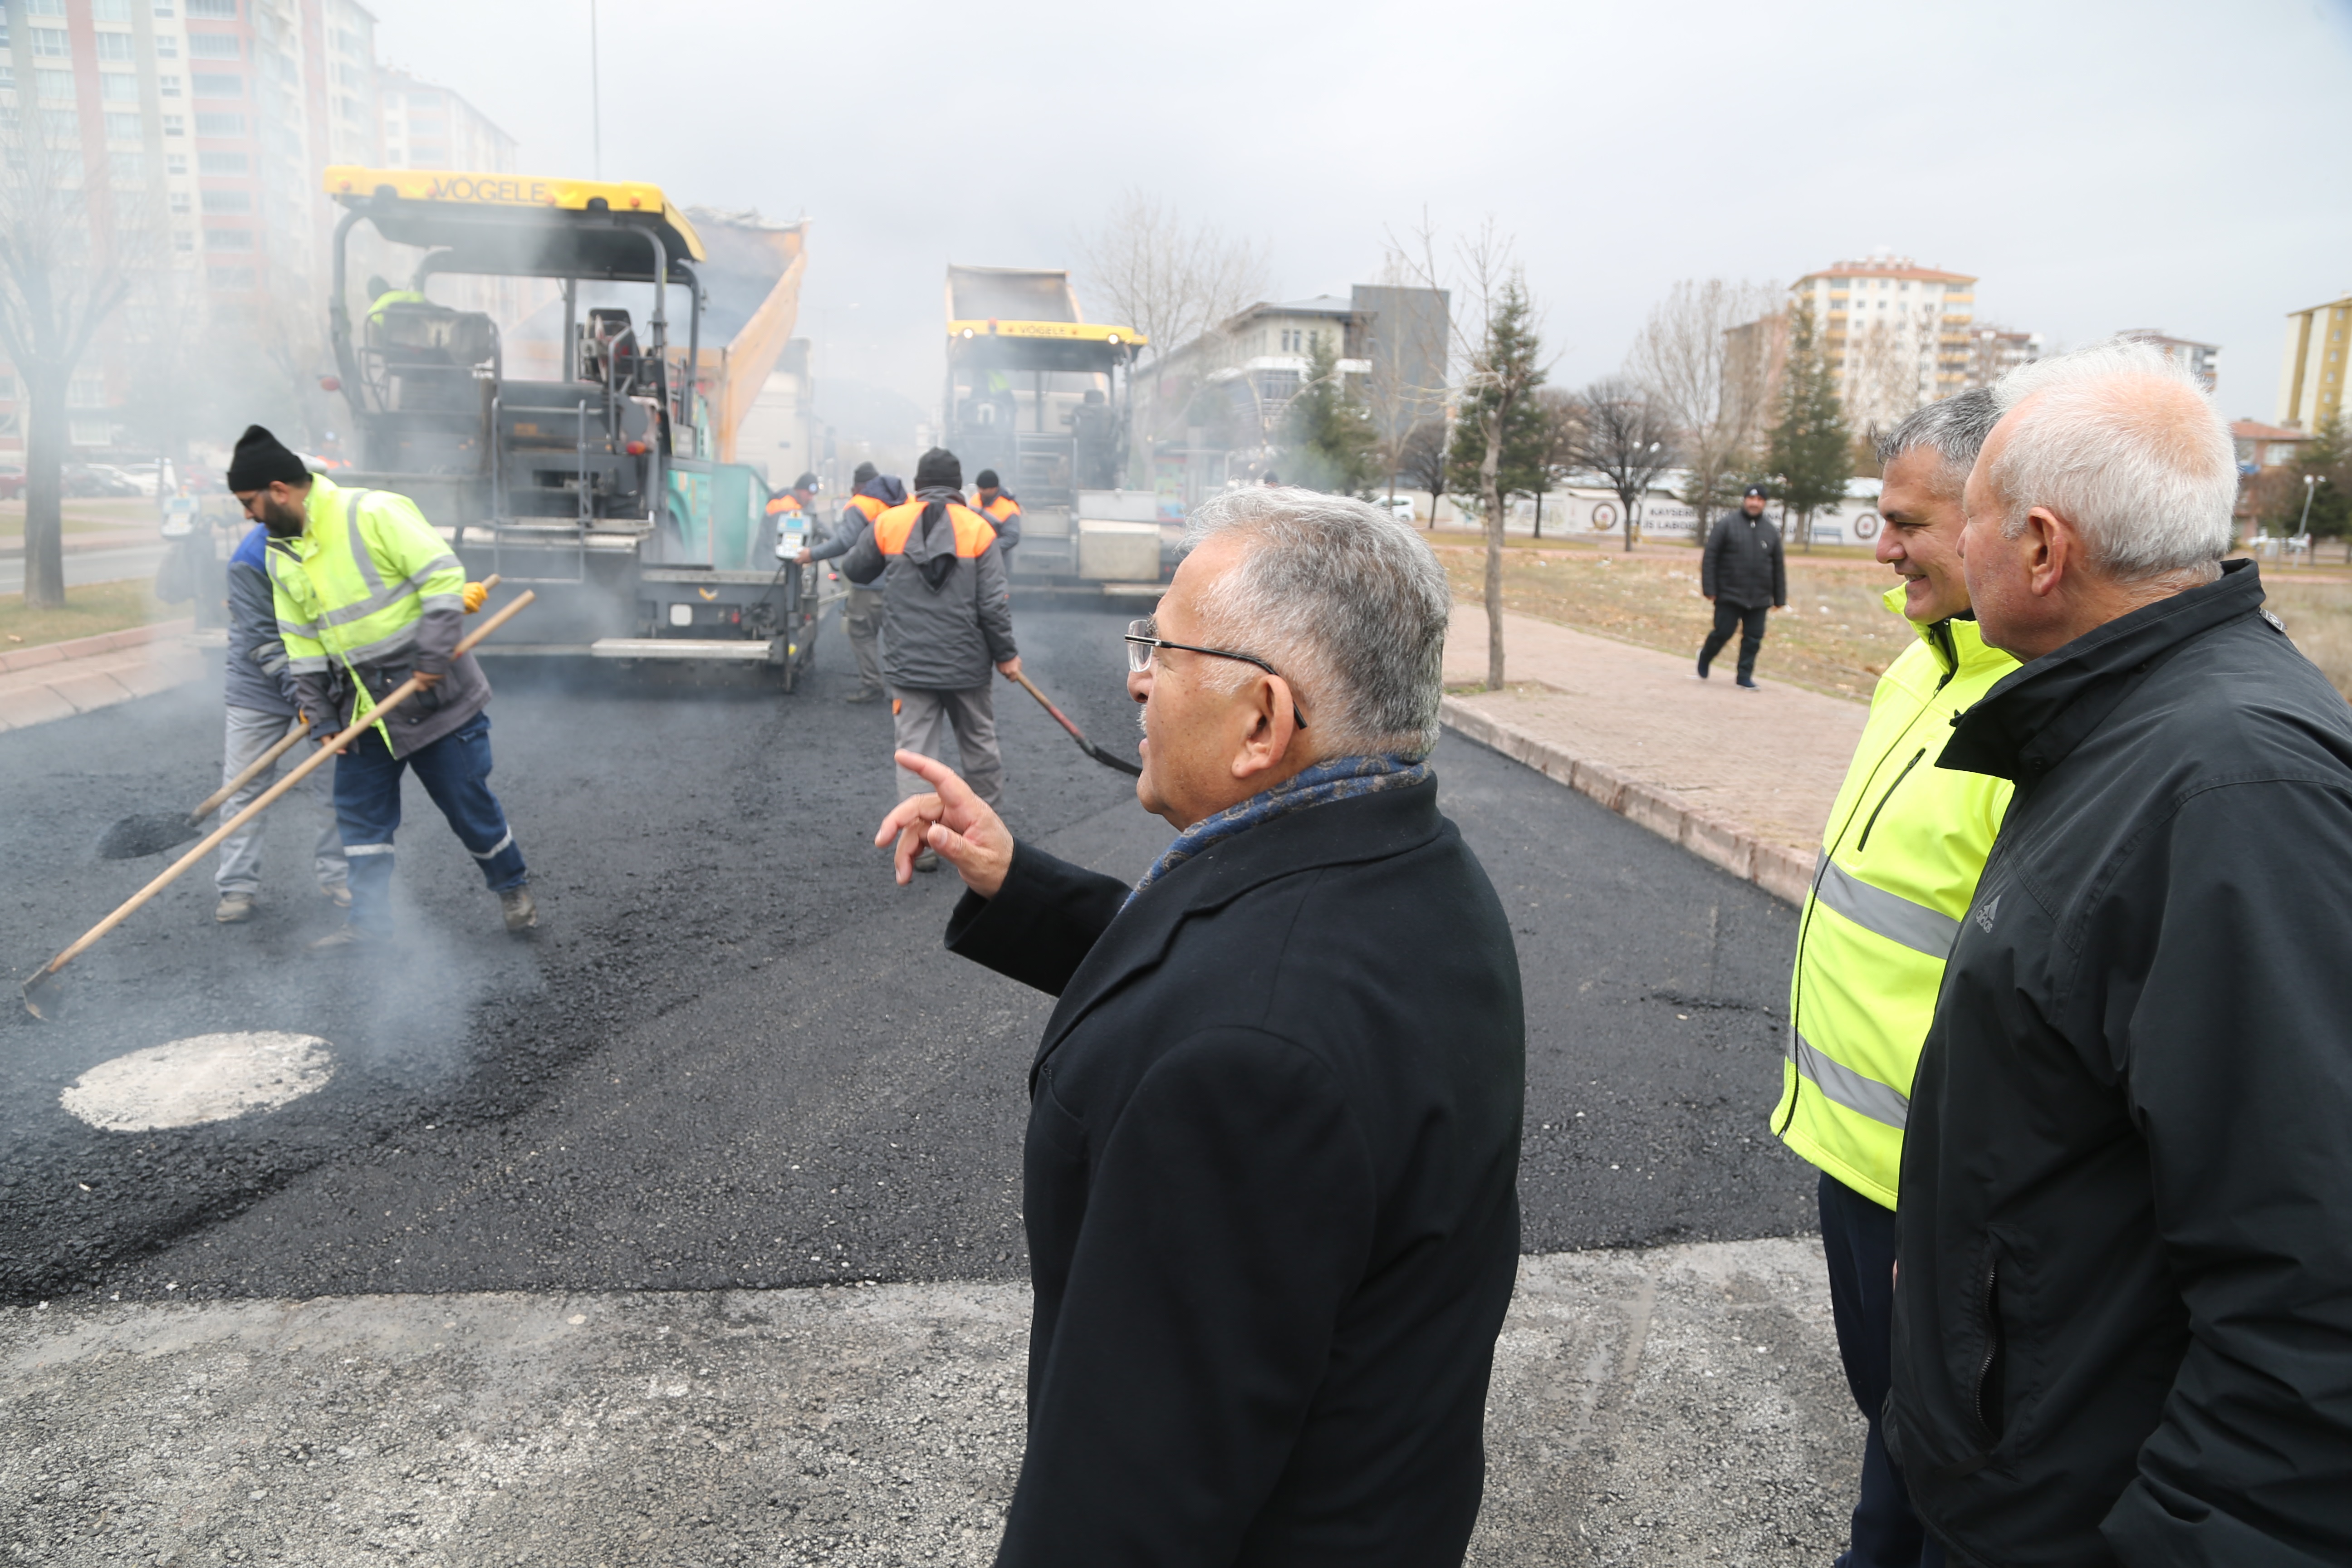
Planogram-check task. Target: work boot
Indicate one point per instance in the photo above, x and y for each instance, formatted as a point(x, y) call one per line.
point(336, 893)
point(1702, 669)
point(927, 858)
point(342, 939)
point(521, 912)
point(865, 694)
point(235, 909)
point(1746, 683)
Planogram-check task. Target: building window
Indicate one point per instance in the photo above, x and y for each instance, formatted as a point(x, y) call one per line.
point(55, 85)
point(166, 47)
point(125, 128)
point(237, 278)
point(222, 163)
point(214, 10)
point(109, 10)
point(228, 240)
point(45, 8)
point(213, 46)
point(168, 86)
point(86, 392)
point(175, 126)
point(129, 167)
point(213, 84)
point(117, 87)
point(176, 162)
point(228, 201)
point(64, 125)
point(114, 46)
point(88, 432)
point(164, 7)
point(225, 126)
point(179, 204)
point(183, 241)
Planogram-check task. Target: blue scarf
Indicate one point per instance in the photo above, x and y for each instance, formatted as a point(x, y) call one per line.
point(1341, 778)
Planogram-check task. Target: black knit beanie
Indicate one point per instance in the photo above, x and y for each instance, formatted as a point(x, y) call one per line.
point(864, 471)
point(986, 479)
point(940, 469)
point(262, 461)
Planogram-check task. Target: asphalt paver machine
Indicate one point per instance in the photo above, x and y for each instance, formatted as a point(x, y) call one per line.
point(1042, 395)
point(596, 481)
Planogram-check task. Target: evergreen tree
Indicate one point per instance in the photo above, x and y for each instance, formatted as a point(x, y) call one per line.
point(1809, 449)
point(1329, 439)
point(2327, 458)
point(1512, 345)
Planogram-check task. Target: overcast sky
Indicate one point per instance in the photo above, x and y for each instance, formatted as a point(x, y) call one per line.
point(2096, 165)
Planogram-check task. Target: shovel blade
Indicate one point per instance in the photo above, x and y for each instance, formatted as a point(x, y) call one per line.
point(135, 837)
point(45, 995)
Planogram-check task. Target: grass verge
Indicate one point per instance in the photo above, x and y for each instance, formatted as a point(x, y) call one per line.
point(90, 610)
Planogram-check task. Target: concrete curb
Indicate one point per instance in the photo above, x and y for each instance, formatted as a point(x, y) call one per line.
point(84, 648)
point(1780, 871)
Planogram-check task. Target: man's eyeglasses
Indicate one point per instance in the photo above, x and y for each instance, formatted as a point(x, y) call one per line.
point(1141, 642)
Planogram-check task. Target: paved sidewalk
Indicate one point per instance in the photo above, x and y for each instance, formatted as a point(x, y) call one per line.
point(1681, 1405)
point(57, 680)
point(1744, 778)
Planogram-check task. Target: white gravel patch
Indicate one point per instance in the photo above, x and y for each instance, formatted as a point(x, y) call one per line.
point(204, 1078)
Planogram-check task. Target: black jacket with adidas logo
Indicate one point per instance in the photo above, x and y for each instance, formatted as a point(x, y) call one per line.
point(2123, 1307)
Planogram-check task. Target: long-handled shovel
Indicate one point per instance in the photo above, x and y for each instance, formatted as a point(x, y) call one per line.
point(153, 832)
point(45, 993)
point(1133, 770)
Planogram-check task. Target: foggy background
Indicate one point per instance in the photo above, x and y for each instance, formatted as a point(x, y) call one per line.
point(2101, 166)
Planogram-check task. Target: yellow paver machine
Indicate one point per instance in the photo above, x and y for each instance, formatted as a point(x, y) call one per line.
point(583, 450)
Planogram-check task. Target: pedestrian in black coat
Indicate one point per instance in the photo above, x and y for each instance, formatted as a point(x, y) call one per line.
point(1270, 1177)
point(1742, 571)
point(2124, 1300)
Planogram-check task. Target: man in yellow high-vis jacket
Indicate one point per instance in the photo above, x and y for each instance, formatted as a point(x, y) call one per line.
point(1905, 843)
point(368, 595)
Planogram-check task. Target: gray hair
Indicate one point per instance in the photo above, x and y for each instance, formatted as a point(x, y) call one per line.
point(1953, 428)
point(1345, 600)
point(2149, 480)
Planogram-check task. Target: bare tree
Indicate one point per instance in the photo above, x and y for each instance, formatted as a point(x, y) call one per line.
point(1494, 338)
point(65, 266)
point(1424, 459)
point(1695, 359)
point(1169, 279)
point(1562, 431)
point(1625, 438)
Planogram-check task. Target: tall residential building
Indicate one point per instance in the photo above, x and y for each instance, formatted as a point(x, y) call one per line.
point(1896, 333)
point(2311, 377)
point(196, 133)
point(2202, 360)
point(1994, 351)
point(429, 127)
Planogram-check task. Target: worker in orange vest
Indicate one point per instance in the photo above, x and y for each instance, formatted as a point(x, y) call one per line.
point(861, 612)
point(999, 505)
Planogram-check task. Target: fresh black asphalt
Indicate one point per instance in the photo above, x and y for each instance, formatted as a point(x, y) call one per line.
point(735, 1054)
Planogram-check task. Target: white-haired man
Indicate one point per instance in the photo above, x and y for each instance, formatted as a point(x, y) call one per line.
point(1271, 1168)
point(2123, 1307)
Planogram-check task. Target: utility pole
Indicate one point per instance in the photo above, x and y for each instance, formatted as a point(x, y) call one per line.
point(595, 97)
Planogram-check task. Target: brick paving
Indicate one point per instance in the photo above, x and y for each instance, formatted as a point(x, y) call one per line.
point(1764, 764)
point(57, 680)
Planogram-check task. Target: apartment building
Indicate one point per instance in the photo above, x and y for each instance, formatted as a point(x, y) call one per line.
point(429, 127)
point(2202, 360)
point(1897, 335)
point(2311, 375)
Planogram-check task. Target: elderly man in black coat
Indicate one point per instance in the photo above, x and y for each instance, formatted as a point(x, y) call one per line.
point(1274, 1133)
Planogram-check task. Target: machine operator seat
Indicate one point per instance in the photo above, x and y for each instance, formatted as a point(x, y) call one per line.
point(609, 349)
point(427, 353)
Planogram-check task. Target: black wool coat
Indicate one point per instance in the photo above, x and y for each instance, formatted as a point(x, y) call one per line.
point(1743, 563)
point(2123, 1322)
point(1271, 1193)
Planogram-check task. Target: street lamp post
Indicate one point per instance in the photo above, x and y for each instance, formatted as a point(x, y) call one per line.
point(2303, 524)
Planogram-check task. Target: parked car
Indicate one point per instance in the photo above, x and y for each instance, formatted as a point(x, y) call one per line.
point(1399, 506)
point(12, 481)
point(139, 477)
point(87, 479)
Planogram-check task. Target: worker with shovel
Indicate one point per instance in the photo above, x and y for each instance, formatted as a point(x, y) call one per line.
point(262, 703)
point(368, 595)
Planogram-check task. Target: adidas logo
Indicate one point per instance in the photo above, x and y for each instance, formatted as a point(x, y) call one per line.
point(1985, 912)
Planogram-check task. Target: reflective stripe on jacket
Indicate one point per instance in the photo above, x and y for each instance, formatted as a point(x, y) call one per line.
point(368, 593)
point(1900, 858)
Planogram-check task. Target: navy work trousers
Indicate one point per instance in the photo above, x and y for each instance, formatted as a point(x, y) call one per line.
point(1859, 1238)
point(456, 772)
point(1747, 620)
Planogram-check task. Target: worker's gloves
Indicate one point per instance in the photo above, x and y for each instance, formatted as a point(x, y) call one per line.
point(474, 593)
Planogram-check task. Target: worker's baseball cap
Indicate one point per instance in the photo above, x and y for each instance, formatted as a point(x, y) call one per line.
point(1755, 490)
